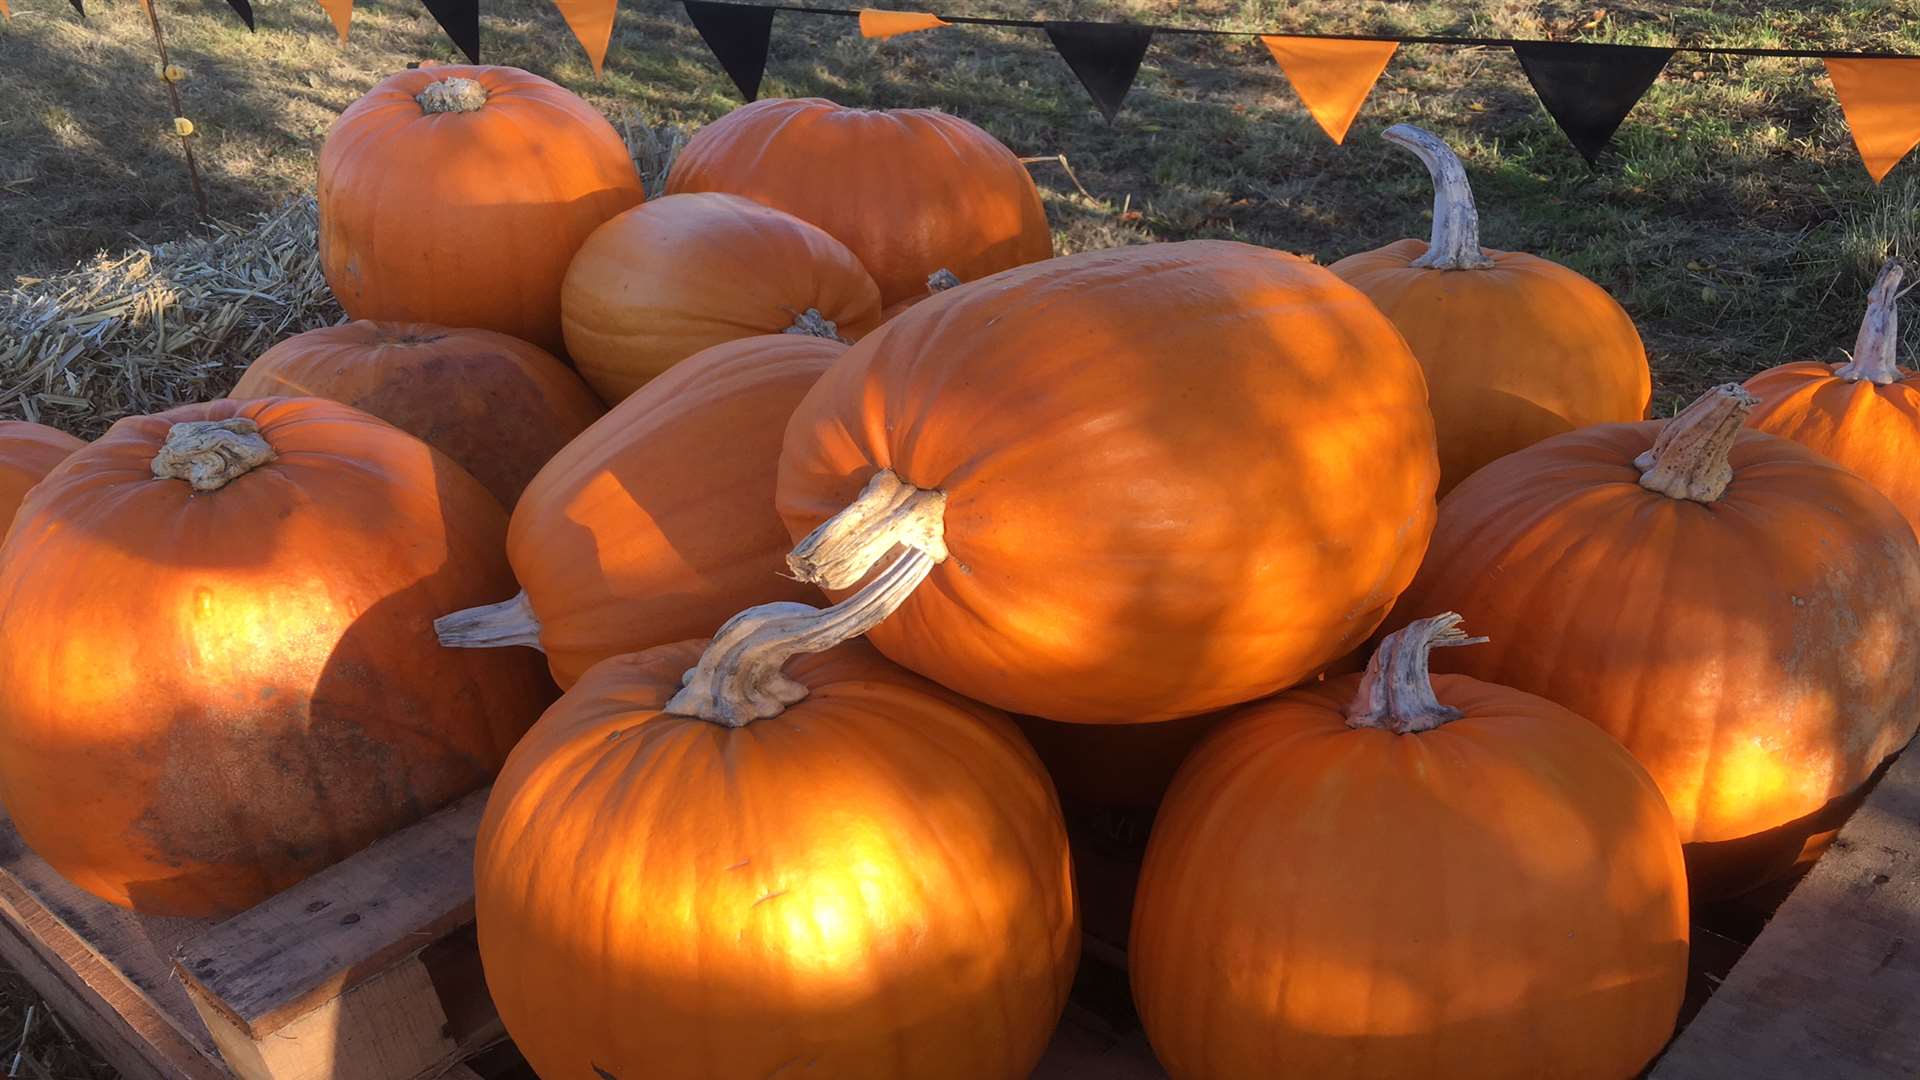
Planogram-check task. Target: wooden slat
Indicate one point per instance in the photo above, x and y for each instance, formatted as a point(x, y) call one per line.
point(1831, 987)
point(275, 963)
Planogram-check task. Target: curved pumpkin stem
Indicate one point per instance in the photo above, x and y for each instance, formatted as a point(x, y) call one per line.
point(889, 512)
point(210, 454)
point(491, 626)
point(1689, 459)
point(1875, 355)
point(814, 324)
point(738, 679)
point(1456, 221)
point(1396, 694)
point(452, 95)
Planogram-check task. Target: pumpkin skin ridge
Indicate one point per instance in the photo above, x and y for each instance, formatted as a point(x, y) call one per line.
point(1873, 434)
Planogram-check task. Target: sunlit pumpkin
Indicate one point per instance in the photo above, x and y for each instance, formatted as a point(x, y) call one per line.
point(843, 869)
point(1865, 413)
point(1516, 348)
point(496, 405)
point(1389, 876)
point(1171, 478)
point(657, 524)
point(688, 272)
point(457, 195)
point(911, 191)
point(220, 673)
point(28, 452)
point(1735, 608)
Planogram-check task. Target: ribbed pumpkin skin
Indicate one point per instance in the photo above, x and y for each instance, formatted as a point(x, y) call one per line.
point(688, 272)
point(1758, 654)
point(1178, 476)
point(1872, 430)
point(911, 191)
point(1513, 354)
point(1502, 897)
point(874, 884)
point(496, 405)
point(466, 219)
point(28, 452)
point(211, 696)
point(657, 524)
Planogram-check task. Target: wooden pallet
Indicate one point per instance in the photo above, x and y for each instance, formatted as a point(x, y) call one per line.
point(369, 970)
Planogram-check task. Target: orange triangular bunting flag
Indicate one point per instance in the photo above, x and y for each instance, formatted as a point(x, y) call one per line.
point(5, 11)
point(592, 22)
point(1881, 99)
point(1333, 76)
point(885, 24)
point(341, 12)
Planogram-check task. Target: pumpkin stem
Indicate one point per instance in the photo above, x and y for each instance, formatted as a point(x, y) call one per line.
point(1689, 458)
point(941, 280)
point(738, 679)
point(1875, 356)
point(1396, 694)
point(1456, 221)
point(491, 626)
point(210, 454)
point(814, 324)
point(452, 95)
point(890, 511)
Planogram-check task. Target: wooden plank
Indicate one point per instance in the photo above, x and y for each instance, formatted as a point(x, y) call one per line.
point(273, 964)
point(1831, 987)
point(389, 1027)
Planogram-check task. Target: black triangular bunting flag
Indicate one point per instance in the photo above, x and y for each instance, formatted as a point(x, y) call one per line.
point(78, 8)
point(737, 34)
point(245, 10)
point(461, 20)
point(1590, 89)
point(1105, 57)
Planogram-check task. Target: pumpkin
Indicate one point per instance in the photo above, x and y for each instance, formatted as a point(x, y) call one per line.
point(910, 191)
point(839, 869)
point(688, 272)
point(28, 452)
point(220, 675)
point(1397, 875)
point(1515, 347)
point(657, 524)
point(1170, 478)
point(494, 404)
point(937, 282)
point(1865, 413)
point(457, 195)
point(1115, 766)
point(1733, 607)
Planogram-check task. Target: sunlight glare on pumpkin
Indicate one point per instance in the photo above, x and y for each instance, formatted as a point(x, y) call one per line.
point(1751, 776)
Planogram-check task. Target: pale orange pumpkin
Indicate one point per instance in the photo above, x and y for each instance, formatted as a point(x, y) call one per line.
point(220, 673)
point(657, 524)
point(1388, 876)
point(457, 195)
point(28, 452)
point(843, 869)
point(688, 272)
point(495, 404)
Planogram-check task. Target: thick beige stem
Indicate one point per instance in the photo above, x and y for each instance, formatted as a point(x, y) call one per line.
point(494, 626)
point(1396, 694)
point(210, 454)
point(1689, 458)
point(941, 280)
point(814, 324)
point(1875, 356)
point(452, 95)
point(738, 679)
point(889, 512)
point(1456, 221)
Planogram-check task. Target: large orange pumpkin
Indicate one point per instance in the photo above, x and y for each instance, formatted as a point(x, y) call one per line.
point(495, 404)
point(657, 524)
point(220, 673)
point(911, 191)
point(687, 272)
point(1735, 608)
point(1170, 477)
point(1865, 413)
point(1516, 348)
point(28, 452)
point(1389, 876)
point(842, 869)
point(457, 195)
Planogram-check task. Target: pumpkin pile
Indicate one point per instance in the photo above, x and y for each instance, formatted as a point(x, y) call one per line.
point(864, 539)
